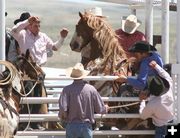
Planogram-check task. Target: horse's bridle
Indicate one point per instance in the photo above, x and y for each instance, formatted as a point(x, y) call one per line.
point(40, 77)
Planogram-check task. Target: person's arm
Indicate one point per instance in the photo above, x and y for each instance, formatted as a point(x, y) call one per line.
point(138, 82)
point(145, 111)
point(99, 106)
point(15, 31)
point(59, 43)
point(160, 70)
point(63, 106)
point(142, 36)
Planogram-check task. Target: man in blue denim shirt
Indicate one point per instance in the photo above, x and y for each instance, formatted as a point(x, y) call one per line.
point(144, 54)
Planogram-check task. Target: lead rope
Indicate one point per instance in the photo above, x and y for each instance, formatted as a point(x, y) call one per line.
point(100, 123)
point(126, 105)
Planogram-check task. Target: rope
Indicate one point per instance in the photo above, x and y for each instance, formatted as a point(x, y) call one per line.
point(100, 123)
point(126, 105)
point(30, 64)
point(11, 75)
point(10, 78)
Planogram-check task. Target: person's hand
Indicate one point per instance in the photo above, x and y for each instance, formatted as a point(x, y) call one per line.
point(121, 79)
point(62, 115)
point(64, 32)
point(143, 96)
point(33, 19)
point(152, 64)
point(107, 107)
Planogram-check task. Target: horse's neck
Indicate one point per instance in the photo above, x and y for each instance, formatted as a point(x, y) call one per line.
point(111, 51)
point(16, 100)
point(96, 50)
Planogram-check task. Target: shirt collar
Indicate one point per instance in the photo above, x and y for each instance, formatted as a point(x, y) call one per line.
point(30, 33)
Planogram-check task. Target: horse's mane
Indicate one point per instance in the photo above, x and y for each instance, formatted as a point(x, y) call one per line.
point(103, 32)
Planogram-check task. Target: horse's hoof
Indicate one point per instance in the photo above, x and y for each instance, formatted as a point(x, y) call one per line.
point(29, 129)
point(114, 128)
point(39, 127)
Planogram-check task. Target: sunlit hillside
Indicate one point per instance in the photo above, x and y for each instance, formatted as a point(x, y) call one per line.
point(56, 14)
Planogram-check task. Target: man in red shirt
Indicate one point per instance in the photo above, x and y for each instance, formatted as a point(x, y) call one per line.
point(128, 35)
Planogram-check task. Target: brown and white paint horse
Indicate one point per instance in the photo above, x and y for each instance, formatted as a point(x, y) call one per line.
point(33, 86)
point(10, 82)
point(12, 88)
point(106, 57)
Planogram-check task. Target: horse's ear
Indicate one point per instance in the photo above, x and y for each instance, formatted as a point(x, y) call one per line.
point(80, 14)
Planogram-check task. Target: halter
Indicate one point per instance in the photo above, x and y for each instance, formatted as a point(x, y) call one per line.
point(39, 76)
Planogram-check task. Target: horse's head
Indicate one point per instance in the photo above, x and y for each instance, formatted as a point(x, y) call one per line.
point(83, 34)
point(84, 42)
point(28, 67)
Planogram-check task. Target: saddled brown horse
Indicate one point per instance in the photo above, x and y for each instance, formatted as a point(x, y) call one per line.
point(97, 35)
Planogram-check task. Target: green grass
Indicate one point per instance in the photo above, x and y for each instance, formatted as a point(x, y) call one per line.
point(56, 14)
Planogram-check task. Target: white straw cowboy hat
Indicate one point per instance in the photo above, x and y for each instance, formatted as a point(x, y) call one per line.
point(97, 11)
point(130, 24)
point(77, 72)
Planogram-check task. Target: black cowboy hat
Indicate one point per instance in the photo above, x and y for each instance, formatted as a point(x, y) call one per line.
point(24, 16)
point(157, 85)
point(142, 46)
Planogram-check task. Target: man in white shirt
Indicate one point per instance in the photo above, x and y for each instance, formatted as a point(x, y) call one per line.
point(28, 35)
point(160, 103)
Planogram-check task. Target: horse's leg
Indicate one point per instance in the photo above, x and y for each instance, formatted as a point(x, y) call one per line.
point(26, 108)
point(4, 128)
point(36, 107)
point(44, 107)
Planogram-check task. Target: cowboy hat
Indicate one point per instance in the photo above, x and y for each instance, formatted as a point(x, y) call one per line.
point(24, 16)
point(142, 46)
point(157, 85)
point(130, 24)
point(97, 11)
point(77, 72)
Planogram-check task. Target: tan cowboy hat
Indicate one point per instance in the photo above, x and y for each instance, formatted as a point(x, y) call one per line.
point(130, 24)
point(97, 11)
point(77, 72)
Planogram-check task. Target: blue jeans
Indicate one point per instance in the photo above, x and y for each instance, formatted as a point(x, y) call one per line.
point(79, 130)
point(160, 132)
